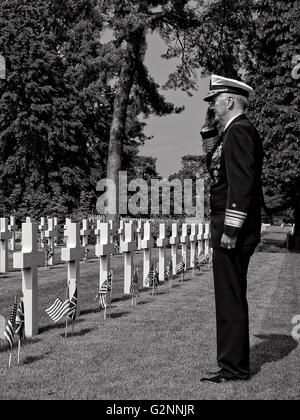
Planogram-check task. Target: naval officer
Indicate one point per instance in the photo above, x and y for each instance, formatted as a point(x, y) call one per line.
point(235, 166)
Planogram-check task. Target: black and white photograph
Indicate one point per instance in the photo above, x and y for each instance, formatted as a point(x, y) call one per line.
point(150, 203)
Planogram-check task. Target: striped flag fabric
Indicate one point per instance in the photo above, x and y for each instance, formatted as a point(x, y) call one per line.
point(153, 277)
point(200, 260)
point(180, 267)
point(168, 272)
point(103, 291)
point(134, 286)
point(60, 307)
point(116, 247)
point(20, 320)
point(73, 307)
point(10, 325)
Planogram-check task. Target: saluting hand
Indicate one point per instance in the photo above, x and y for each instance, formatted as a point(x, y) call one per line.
point(228, 242)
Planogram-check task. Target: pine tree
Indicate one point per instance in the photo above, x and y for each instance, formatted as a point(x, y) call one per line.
point(43, 143)
point(276, 105)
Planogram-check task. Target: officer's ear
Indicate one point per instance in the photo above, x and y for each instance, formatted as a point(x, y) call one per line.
point(230, 102)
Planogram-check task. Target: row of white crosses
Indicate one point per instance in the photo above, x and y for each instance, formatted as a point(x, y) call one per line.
point(30, 258)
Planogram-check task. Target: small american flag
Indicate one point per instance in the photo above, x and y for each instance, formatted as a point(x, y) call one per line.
point(103, 291)
point(153, 277)
point(73, 307)
point(60, 307)
point(10, 325)
point(116, 247)
point(199, 260)
point(20, 320)
point(134, 286)
point(180, 267)
point(168, 271)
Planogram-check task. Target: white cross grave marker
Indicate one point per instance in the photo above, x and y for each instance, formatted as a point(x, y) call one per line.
point(121, 230)
point(28, 260)
point(13, 228)
point(84, 233)
point(5, 236)
point(127, 246)
point(73, 254)
point(174, 241)
point(51, 234)
point(200, 238)
point(185, 240)
point(103, 250)
point(147, 244)
point(162, 242)
point(206, 238)
point(193, 239)
point(97, 231)
point(42, 229)
point(139, 231)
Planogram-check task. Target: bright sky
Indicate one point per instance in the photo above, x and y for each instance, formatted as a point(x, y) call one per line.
point(174, 135)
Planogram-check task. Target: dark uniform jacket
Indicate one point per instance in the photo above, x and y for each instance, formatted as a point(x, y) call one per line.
point(235, 166)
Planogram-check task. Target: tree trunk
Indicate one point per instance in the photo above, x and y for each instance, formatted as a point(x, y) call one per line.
point(118, 126)
point(297, 223)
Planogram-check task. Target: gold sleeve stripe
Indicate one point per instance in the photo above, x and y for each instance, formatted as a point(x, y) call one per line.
point(233, 222)
point(236, 213)
point(235, 217)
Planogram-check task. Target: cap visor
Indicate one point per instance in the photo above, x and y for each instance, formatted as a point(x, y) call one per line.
point(211, 96)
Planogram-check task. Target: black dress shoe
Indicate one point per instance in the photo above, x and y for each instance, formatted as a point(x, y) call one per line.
point(214, 372)
point(220, 379)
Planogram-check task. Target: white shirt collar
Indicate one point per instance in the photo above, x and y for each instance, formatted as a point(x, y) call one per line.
point(231, 121)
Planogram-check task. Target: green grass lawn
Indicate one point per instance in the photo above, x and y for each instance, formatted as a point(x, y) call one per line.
point(161, 348)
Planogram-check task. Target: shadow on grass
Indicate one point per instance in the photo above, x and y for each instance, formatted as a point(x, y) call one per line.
point(60, 326)
point(80, 333)
point(275, 347)
point(29, 360)
point(90, 311)
point(123, 298)
point(4, 346)
point(119, 314)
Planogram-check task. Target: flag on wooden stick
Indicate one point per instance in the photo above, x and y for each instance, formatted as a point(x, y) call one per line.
point(103, 291)
point(9, 333)
point(20, 321)
point(169, 271)
point(180, 267)
point(11, 324)
point(73, 307)
point(134, 286)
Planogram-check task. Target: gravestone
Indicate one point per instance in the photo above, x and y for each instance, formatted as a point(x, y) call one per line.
point(200, 239)
point(147, 244)
point(50, 234)
point(193, 241)
point(185, 240)
point(72, 255)
point(162, 242)
point(128, 245)
point(139, 232)
point(174, 241)
point(97, 231)
point(42, 229)
point(5, 236)
point(207, 236)
point(103, 250)
point(13, 228)
point(84, 233)
point(28, 260)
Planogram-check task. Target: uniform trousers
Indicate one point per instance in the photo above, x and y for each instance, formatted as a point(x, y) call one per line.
point(230, 269)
